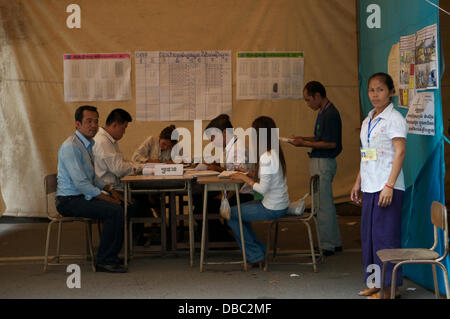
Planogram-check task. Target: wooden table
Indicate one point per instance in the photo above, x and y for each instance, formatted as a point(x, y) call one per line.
point(214, 183)
point(158, 184)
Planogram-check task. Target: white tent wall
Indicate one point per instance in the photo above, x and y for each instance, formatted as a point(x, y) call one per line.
point(35, 120)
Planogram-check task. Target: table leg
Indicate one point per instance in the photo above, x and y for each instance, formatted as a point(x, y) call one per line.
point(163, 224)
point(191, 225)
point(173, 220)
point(202, 250)
point(240, 226)
point(125, 233)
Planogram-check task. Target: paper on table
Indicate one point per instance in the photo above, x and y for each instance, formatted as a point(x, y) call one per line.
point(201, 173)
point(201, 167)
point(286, 139)
point(227, 174)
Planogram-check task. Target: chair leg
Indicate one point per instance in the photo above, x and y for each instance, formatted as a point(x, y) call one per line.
point(311, 244)
point(393, 281)
point(89, 241)
point(275, 240)
point(318, 239)
point(47, 244)
point(130, 238)
point(58, 243)
point(99, 229)
point(266, 257)
point(383, 276)
point(202, 245)
point(436, 285)
point(447, 288)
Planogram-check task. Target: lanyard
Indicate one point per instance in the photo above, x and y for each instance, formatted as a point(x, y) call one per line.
point(369, 130)
point(89, 153)
point(318, 116)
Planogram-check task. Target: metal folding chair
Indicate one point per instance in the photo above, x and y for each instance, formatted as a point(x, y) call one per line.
point(404, 256)
point(306, 218)
point(50, 183)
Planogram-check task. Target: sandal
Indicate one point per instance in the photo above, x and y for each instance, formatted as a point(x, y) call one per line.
point(368, 292)
point(385, 296)
point(259, 264)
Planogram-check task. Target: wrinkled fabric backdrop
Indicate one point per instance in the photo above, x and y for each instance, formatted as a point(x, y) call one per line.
point(35, 120)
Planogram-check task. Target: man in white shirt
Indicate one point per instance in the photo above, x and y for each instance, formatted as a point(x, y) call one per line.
point(111, 165)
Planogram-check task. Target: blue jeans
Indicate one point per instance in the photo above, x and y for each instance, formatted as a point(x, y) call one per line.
point(252, 211)
point(111, 214)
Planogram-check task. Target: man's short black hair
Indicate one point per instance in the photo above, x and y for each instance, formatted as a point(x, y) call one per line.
point(314, 87)
point(118, 115)
point(81, 109)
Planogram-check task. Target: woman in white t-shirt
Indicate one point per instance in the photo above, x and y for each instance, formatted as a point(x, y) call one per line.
point(271, 168)
point(383, 149)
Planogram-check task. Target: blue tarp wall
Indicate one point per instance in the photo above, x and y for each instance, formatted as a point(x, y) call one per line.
point(424, 165)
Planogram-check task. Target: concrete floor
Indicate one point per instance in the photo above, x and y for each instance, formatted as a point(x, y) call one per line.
point(156, 277)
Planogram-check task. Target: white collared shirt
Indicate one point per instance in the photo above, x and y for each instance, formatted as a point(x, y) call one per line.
point(386, 126)
point(110, 164)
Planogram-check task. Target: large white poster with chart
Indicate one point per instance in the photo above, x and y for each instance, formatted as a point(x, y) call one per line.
point(97, 77)
point(269, 75)
point(182, 85)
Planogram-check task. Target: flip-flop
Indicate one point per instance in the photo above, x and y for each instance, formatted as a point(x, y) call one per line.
point(385, 296)
point(368, 292)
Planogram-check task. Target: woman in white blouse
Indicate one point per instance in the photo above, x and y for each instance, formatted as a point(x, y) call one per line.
point(271, 168)
point(380, 180)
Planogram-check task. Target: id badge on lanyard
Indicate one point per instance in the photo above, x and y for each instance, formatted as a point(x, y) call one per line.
point(369, 154)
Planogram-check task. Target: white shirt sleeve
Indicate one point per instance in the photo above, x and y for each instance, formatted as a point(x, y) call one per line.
point(268, 167)
point(143, 152)
point(109, 160)
point(398, 127)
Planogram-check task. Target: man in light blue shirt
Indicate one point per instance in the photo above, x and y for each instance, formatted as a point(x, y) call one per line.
point(79, 191)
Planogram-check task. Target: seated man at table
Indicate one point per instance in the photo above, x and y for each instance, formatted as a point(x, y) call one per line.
point(111, 165)
point(79, 191)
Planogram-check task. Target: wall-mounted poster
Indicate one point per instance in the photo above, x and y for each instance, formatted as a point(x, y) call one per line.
point(97, 77)
point(182, 85)
point(427, 76)
point(269, 75)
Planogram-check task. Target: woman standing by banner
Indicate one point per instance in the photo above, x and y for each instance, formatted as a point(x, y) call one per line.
point(381, 181)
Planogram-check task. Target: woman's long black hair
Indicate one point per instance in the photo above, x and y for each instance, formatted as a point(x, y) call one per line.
point(269, 124)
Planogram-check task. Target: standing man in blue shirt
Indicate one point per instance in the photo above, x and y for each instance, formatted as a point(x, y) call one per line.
point(326, 145)
point(79, 191)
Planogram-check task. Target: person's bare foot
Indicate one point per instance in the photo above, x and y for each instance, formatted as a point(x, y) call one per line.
point(368, 292)
point(386, 294)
